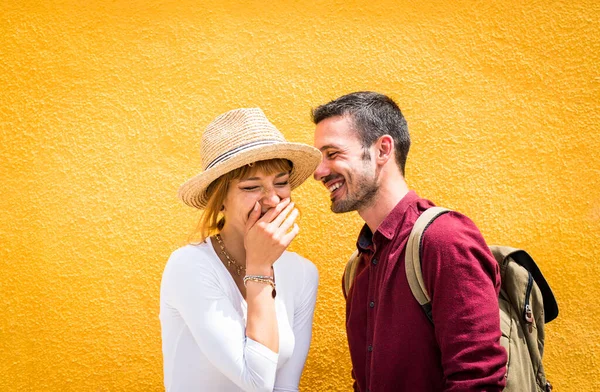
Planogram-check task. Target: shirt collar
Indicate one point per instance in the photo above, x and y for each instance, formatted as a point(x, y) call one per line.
point(388, 227)
point(395, 218)
point(365, 240)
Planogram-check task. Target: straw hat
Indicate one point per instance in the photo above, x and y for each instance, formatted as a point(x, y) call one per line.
point(240, 137)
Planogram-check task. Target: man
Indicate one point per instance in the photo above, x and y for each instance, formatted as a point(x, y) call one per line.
point(393, 346)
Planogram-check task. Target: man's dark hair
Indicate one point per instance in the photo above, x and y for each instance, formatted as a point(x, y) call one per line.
point(372, 115)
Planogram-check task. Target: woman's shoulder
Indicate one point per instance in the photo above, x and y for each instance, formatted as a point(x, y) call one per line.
point(191, 256)
point(191, 270)
point(191, 251)
point(295, 265)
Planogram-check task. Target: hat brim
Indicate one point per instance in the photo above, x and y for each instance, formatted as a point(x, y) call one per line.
point(304, 158)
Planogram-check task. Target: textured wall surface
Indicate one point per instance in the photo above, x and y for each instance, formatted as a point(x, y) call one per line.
point(101, 108)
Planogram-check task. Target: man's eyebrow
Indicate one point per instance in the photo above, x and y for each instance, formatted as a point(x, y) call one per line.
point(328, 146)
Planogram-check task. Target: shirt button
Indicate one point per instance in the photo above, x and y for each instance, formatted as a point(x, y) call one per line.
point(370, 348)
point(374, 261)
point(372, 304)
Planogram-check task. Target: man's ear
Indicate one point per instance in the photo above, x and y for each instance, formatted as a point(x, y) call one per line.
point(385, 149)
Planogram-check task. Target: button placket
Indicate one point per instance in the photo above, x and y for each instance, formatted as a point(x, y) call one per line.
point(370, 315)
point(374, 261)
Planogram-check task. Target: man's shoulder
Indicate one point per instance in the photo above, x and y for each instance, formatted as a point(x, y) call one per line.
point(449, 228)
point(453, 248)
point(453, 239)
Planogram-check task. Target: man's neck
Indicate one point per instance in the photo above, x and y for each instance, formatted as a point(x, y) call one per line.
point(388, 196)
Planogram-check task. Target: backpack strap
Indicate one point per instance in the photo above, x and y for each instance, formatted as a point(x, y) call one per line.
point(350, 272)
point(412, 258)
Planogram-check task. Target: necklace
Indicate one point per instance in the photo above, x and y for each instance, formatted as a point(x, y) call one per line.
point(231, 263)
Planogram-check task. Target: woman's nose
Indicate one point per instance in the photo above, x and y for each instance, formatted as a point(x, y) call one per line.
point(270, 197)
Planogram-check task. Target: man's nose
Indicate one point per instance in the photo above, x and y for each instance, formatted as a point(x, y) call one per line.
point(321, 171)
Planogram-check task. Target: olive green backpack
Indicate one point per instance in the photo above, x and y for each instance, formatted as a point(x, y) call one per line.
point(526, 304)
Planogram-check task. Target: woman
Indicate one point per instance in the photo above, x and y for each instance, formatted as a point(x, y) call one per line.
point(236, 310)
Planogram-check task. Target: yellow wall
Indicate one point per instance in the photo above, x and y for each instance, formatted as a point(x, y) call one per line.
point(101, 108)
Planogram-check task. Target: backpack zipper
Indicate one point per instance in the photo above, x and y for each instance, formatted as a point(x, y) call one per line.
point(528, 314)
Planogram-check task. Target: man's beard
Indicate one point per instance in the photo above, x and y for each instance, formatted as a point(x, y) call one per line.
point(366, 189)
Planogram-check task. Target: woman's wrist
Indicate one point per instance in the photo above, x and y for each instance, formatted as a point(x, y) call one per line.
point(265, 280)
point(259, 270)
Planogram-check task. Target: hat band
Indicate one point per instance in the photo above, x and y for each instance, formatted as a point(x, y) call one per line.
point(228, 154)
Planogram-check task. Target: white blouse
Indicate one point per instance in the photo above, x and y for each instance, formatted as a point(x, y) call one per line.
point(203, 319)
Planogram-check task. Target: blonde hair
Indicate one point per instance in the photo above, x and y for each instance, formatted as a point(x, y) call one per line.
point(211, 220)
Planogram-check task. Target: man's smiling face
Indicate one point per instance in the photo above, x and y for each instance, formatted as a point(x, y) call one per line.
point(347, 169)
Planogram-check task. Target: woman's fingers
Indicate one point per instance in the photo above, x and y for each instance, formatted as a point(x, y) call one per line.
point(288, 237)
point(253, 217)
point(289, 221)
point(282, 215)
point(275, 211)
point(268, 236)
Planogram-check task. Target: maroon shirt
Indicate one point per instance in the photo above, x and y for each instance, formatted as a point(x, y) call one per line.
point(393, 346)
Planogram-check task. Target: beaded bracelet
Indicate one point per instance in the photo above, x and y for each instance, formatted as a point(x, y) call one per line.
point(261, 279)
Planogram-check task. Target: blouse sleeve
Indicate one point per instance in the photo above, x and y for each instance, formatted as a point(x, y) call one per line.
point(217, 327)
point(288, 377)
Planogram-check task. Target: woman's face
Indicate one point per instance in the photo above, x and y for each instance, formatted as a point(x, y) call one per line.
point(267, 190)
